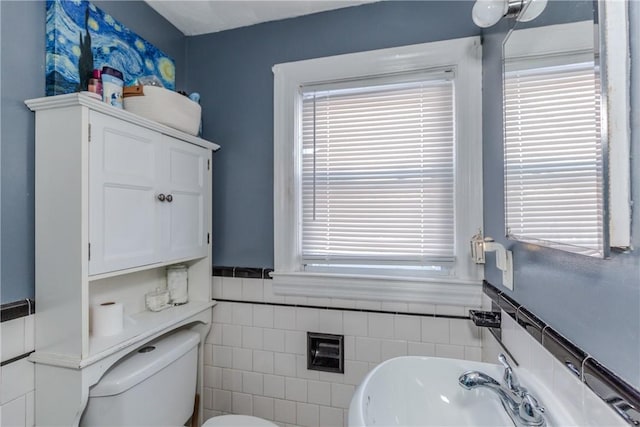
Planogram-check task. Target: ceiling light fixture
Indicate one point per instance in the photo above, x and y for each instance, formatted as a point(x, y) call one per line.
point(489, 12)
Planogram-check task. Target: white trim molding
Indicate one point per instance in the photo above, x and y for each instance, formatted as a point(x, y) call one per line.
point(448, 292)
point(462, 285)
point(81, 98)
point(617, 61)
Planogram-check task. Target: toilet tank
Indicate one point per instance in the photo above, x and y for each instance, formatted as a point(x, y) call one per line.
point(153, 386)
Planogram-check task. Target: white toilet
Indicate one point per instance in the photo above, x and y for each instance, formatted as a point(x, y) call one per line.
point(154, 386)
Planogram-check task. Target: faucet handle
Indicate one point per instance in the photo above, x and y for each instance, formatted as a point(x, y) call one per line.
point(503, 359)
point(530, 400)
point(509, 376)
point(530, 410)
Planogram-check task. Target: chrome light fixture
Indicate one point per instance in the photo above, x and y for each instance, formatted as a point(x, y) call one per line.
point(486, 13)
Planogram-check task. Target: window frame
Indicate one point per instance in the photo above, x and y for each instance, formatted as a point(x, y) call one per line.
point(463, 285)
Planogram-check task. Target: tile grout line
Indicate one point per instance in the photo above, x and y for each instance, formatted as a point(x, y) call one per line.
point(15, 359)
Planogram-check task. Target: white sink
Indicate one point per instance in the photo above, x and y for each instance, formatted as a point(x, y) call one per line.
point(424, 391)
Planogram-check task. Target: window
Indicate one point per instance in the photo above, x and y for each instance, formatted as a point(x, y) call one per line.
point(377, 176)
point(378, 179)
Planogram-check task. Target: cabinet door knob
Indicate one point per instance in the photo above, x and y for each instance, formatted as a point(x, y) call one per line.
point(161, 197)
point(169, 198)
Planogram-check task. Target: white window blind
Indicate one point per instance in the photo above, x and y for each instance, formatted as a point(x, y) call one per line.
point(553, 157)
point(378, 174)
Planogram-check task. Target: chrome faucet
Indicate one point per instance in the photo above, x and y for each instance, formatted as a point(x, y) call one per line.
point(523, 409)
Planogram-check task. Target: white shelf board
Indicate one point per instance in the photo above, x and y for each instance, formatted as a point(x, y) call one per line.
point(115, 273)
point(140, 326)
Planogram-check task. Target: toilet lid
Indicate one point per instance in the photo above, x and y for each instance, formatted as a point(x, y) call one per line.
point(237, 421)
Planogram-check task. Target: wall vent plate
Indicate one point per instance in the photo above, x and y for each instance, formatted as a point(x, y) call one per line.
point(325, 352)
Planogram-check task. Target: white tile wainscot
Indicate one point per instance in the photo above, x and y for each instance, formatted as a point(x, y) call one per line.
point(573, 396)
point(255, 354)
point(17, 378)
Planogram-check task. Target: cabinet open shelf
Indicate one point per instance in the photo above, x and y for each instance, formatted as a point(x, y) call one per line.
point(140, 326)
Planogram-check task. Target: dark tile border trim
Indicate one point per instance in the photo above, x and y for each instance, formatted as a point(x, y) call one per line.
point(564, 350)
point(223, 271)
point(16, 309)
point(508, 305)
point(531, 323)
point(622, 397)
point(15, 359)
point(243, 272)
point(362, 310)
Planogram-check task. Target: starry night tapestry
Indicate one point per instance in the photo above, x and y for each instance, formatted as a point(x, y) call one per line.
point(81, 37)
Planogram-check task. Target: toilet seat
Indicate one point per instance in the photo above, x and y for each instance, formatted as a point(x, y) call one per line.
point(237, 421)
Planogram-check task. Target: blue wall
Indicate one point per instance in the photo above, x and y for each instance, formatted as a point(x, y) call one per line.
point(595, 303)
point(232, 70)
point(22, 35)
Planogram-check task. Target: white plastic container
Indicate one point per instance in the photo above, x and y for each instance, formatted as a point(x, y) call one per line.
point(157, 300)
point(166, 107)
point(177, 283)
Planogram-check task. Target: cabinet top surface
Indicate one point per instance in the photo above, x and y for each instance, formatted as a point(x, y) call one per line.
point(80, 99)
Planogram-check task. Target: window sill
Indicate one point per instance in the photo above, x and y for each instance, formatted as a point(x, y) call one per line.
point(423, 290)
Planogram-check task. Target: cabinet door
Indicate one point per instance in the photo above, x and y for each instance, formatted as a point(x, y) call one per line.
point(124, 218)
point(187, 181)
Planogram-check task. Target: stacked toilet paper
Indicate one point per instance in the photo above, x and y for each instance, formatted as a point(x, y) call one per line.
point(107, 319)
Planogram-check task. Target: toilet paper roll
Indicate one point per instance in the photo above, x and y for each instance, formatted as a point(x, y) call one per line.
point(107, 319)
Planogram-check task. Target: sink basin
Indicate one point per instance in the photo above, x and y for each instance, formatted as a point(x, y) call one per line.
point(424, 391)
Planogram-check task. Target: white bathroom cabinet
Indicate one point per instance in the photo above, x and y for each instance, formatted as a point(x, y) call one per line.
point(118, 199)
point(146, 196)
